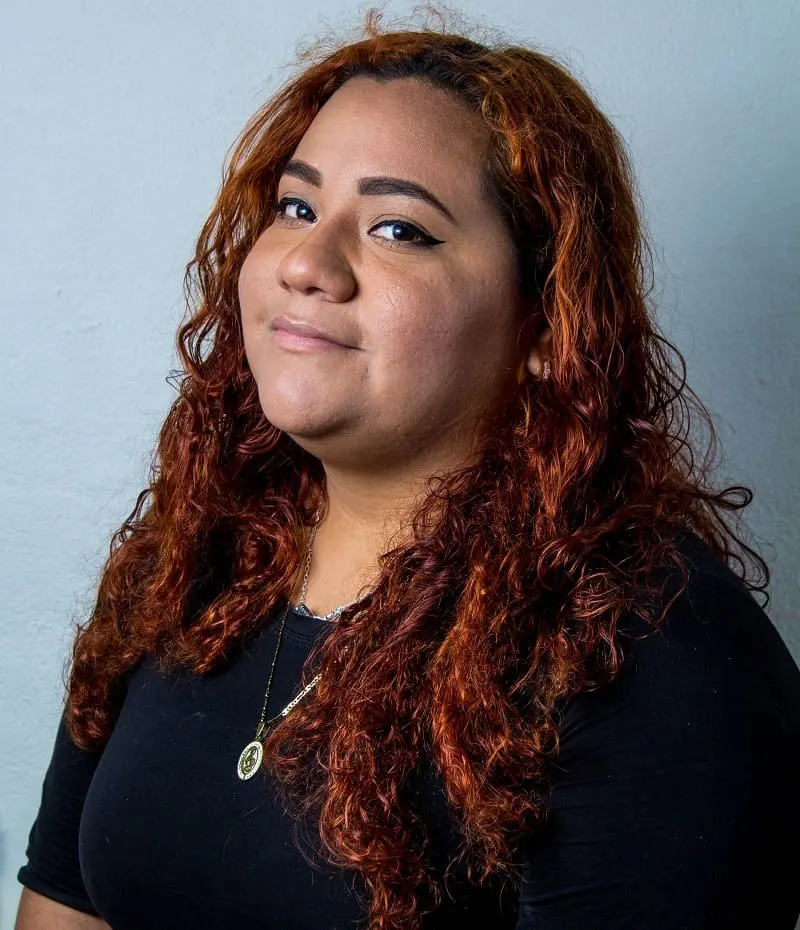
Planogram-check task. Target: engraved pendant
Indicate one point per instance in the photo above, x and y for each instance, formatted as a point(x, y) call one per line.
point(250, 760)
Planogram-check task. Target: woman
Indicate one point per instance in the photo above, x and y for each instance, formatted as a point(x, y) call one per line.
point(427, 618)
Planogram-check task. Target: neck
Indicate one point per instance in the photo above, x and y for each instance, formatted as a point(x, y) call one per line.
point(362, 520)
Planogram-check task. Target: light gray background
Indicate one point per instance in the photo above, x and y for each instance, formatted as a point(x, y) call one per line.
point(114, 123)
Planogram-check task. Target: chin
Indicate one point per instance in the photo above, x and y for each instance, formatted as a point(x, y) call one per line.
point(301, 424)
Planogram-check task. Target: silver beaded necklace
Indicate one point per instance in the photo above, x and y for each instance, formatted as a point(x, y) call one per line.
point(253, 753)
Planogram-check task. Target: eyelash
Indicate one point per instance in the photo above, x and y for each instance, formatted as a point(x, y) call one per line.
point(424, 241)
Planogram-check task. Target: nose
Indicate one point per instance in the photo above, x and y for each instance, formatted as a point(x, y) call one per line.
point(316, 265)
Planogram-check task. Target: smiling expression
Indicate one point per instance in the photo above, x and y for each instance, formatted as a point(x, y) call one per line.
point(385, 242)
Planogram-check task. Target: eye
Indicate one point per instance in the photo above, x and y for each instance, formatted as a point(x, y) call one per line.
point(288, 202)
point(411, 234)
point(401, 228)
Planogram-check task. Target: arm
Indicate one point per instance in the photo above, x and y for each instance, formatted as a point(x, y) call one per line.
point(673, 799)
point(39, 913)
point(54, 894)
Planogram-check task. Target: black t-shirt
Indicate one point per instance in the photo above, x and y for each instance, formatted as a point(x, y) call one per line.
point(673, 803)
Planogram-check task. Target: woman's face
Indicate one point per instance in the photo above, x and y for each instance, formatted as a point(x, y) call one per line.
point(385, 242)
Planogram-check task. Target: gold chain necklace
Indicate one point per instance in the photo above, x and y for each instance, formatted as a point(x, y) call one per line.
point(253, 753)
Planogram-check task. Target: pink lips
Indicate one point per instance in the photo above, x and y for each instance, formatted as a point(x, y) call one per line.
point(299, 334)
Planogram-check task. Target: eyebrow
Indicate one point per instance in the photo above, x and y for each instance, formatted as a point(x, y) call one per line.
point(376, 186)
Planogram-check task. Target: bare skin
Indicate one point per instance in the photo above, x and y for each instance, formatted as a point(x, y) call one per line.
point(39, 913)
point(433, 334)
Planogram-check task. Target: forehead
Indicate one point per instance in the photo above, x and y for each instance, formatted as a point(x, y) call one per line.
point(404, 127)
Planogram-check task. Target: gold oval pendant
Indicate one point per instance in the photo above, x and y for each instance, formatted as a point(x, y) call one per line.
point(250, 760)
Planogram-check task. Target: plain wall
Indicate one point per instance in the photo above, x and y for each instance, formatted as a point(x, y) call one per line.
point(114, 124)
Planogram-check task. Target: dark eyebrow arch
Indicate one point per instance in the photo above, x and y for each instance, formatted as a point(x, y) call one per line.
point(371, 186)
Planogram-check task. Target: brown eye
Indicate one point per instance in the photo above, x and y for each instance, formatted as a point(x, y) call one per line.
point(406, 233)
point(401, 232)
point(301, 205)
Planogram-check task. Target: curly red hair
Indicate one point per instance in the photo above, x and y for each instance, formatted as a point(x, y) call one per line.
point(506, 602)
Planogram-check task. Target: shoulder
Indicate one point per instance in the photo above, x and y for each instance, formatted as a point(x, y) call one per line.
point(718, 644)
point(715, 682)
point(673, 795)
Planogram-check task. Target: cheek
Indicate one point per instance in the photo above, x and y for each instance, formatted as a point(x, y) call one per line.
point(429, 329)
point(411, 333)
point(253, 293)
point(253, 281)
point(426, 351)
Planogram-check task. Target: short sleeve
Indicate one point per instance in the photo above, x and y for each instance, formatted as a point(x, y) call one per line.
point(673, 803)
point(53, 867)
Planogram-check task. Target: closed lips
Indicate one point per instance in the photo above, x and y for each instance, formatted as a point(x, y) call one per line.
point(304, 328)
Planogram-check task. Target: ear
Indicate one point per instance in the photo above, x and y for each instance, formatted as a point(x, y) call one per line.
point(540, 352)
